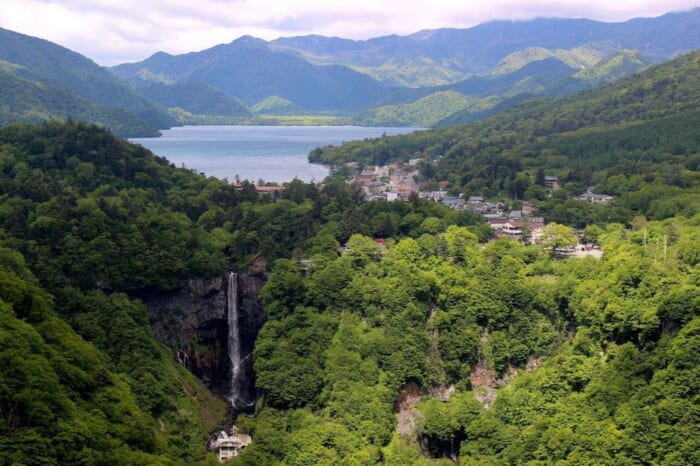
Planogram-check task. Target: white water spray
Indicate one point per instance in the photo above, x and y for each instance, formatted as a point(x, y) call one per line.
point(234, 343)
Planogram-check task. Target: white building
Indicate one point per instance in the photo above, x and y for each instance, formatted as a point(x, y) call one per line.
point(228, 446)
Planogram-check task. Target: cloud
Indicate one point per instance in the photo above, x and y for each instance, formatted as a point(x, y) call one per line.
point(112, 32)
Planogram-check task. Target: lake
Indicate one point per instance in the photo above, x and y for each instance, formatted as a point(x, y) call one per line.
point(271, 153)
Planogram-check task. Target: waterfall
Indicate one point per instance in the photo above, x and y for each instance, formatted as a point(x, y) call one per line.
point(234, 343)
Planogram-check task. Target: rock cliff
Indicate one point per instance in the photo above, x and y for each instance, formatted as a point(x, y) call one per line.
point(192, 321)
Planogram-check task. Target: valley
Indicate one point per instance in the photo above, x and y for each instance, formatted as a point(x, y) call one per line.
point(516, 283)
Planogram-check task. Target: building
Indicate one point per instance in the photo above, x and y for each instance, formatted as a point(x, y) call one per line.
point(453, 202)
point(228, 446)
point(593, 198)
point(527, 229)
point(551, 183)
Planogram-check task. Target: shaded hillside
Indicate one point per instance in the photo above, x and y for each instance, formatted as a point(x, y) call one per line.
point(250, 70)
point(60, 67)
point(28, 100)
point(198, 98)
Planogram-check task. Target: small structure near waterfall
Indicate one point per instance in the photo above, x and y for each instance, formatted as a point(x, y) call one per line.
point(228, 446)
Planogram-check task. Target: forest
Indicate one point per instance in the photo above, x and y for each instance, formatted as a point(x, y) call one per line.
point(441, 345)
point(85, 219)
point(634, 139)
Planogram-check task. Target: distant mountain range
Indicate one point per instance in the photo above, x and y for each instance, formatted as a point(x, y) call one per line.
point(252, 70)
point(437, 77)
point(442, 56)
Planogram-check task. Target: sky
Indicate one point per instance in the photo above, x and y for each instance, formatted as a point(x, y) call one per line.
point(118, 31)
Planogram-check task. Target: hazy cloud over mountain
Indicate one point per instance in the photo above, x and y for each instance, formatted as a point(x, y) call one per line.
point(113, 32)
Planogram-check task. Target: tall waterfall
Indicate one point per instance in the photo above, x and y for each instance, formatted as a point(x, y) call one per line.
point(234, 343)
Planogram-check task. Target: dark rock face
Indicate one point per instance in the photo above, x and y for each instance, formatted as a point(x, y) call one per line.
point(250, 319)
point(192, 321)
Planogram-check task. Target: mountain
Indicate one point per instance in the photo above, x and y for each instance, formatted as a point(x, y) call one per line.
point(486, 95)
point(251, 70)
point(27, 99)
point(275, 105)
point(643, 127)
point(499, 62)
point(193, 97)
point(424, 112)
point(60, 67)
point(549, 77)
point(448, 55)
point(578, 58)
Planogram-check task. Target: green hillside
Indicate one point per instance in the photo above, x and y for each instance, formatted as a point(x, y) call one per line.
point(29, 100)
point(275, 105)
point(582, 57)
point(196, 98)
point(613, 67)
point(424, 112)
point(70, 70)
point(82, 381)
point(490, 353)
point(537, 80)
point(640, 127)
point(251, 70)
point(445, 351)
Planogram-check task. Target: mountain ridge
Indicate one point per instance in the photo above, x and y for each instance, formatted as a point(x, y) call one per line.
point(473, 50)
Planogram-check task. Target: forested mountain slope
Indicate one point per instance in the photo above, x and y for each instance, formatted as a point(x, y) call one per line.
point(86, 217)
point(64, 68)
point(250, 70)
point(438, 350)
point(636, 138)
point(27, 99)
point(196, 98)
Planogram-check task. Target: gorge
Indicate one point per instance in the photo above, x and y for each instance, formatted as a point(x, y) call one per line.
point(211, 326)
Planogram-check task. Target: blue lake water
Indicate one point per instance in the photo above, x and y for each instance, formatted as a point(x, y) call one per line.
point(271, 153)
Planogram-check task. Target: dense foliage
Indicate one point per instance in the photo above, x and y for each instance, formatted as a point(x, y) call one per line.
point(490, 352)
point(424, 112)
point(634, 139)
point(611, 379)
point(108, 394)
point(94, 217)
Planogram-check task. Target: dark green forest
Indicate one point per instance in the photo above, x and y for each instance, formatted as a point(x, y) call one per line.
point(85, 218)
point(597, 358)
point(491, 352)
point(439, 346)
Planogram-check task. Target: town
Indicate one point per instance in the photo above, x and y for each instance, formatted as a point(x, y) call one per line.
point(399, 182)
